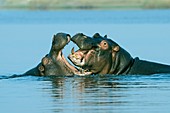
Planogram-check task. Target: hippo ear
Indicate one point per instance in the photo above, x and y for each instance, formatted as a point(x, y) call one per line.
point(116, 49)
point(41, 69)
point(45, 61)
point(96, 35)
point(105, 36)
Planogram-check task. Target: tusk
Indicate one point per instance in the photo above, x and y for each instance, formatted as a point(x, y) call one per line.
point(72, 51)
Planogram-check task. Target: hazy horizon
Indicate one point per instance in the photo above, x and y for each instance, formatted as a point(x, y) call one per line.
point(84, 4)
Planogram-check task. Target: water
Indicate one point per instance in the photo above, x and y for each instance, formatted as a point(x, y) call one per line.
point(93, 94)
point(85, 17)
point(25, 37)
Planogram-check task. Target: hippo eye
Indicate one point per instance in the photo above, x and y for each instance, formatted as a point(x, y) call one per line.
point(104, 45)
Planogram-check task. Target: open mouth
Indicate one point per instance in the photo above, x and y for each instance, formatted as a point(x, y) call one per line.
point(78, 58)
point(74, 70)
point(70, 67)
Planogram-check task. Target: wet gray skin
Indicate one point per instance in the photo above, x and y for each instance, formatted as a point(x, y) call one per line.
point(101, 55)
point(55, 63)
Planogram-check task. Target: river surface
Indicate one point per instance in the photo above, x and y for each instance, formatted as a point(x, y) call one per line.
point(25, 37)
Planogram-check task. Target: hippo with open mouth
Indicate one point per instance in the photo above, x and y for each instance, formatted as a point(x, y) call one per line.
point(101, 55)
point(55, 63)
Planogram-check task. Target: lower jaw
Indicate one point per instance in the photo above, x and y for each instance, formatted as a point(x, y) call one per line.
point(67, 63)
point(80, 71)
point(83, 72)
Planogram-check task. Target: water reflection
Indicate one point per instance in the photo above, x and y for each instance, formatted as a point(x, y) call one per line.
point(53, 94)
point(105, 94)
point(83, 93)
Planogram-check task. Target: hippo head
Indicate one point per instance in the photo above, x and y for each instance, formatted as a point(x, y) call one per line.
point(99, 55)
point(59, 41)
point(55, 63)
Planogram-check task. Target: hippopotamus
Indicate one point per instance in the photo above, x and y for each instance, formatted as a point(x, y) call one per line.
point(101, 55)
point(54, 63)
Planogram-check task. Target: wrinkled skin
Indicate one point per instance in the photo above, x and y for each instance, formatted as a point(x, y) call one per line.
point(100, 55)
point(55, 63)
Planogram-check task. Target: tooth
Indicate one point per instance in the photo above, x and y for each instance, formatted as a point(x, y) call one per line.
point(72, 51)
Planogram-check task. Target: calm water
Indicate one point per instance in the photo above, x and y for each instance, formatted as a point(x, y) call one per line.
point(25, 37)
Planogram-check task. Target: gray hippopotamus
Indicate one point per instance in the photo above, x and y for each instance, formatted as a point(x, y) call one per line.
point(101, 55)
point(55, 63)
